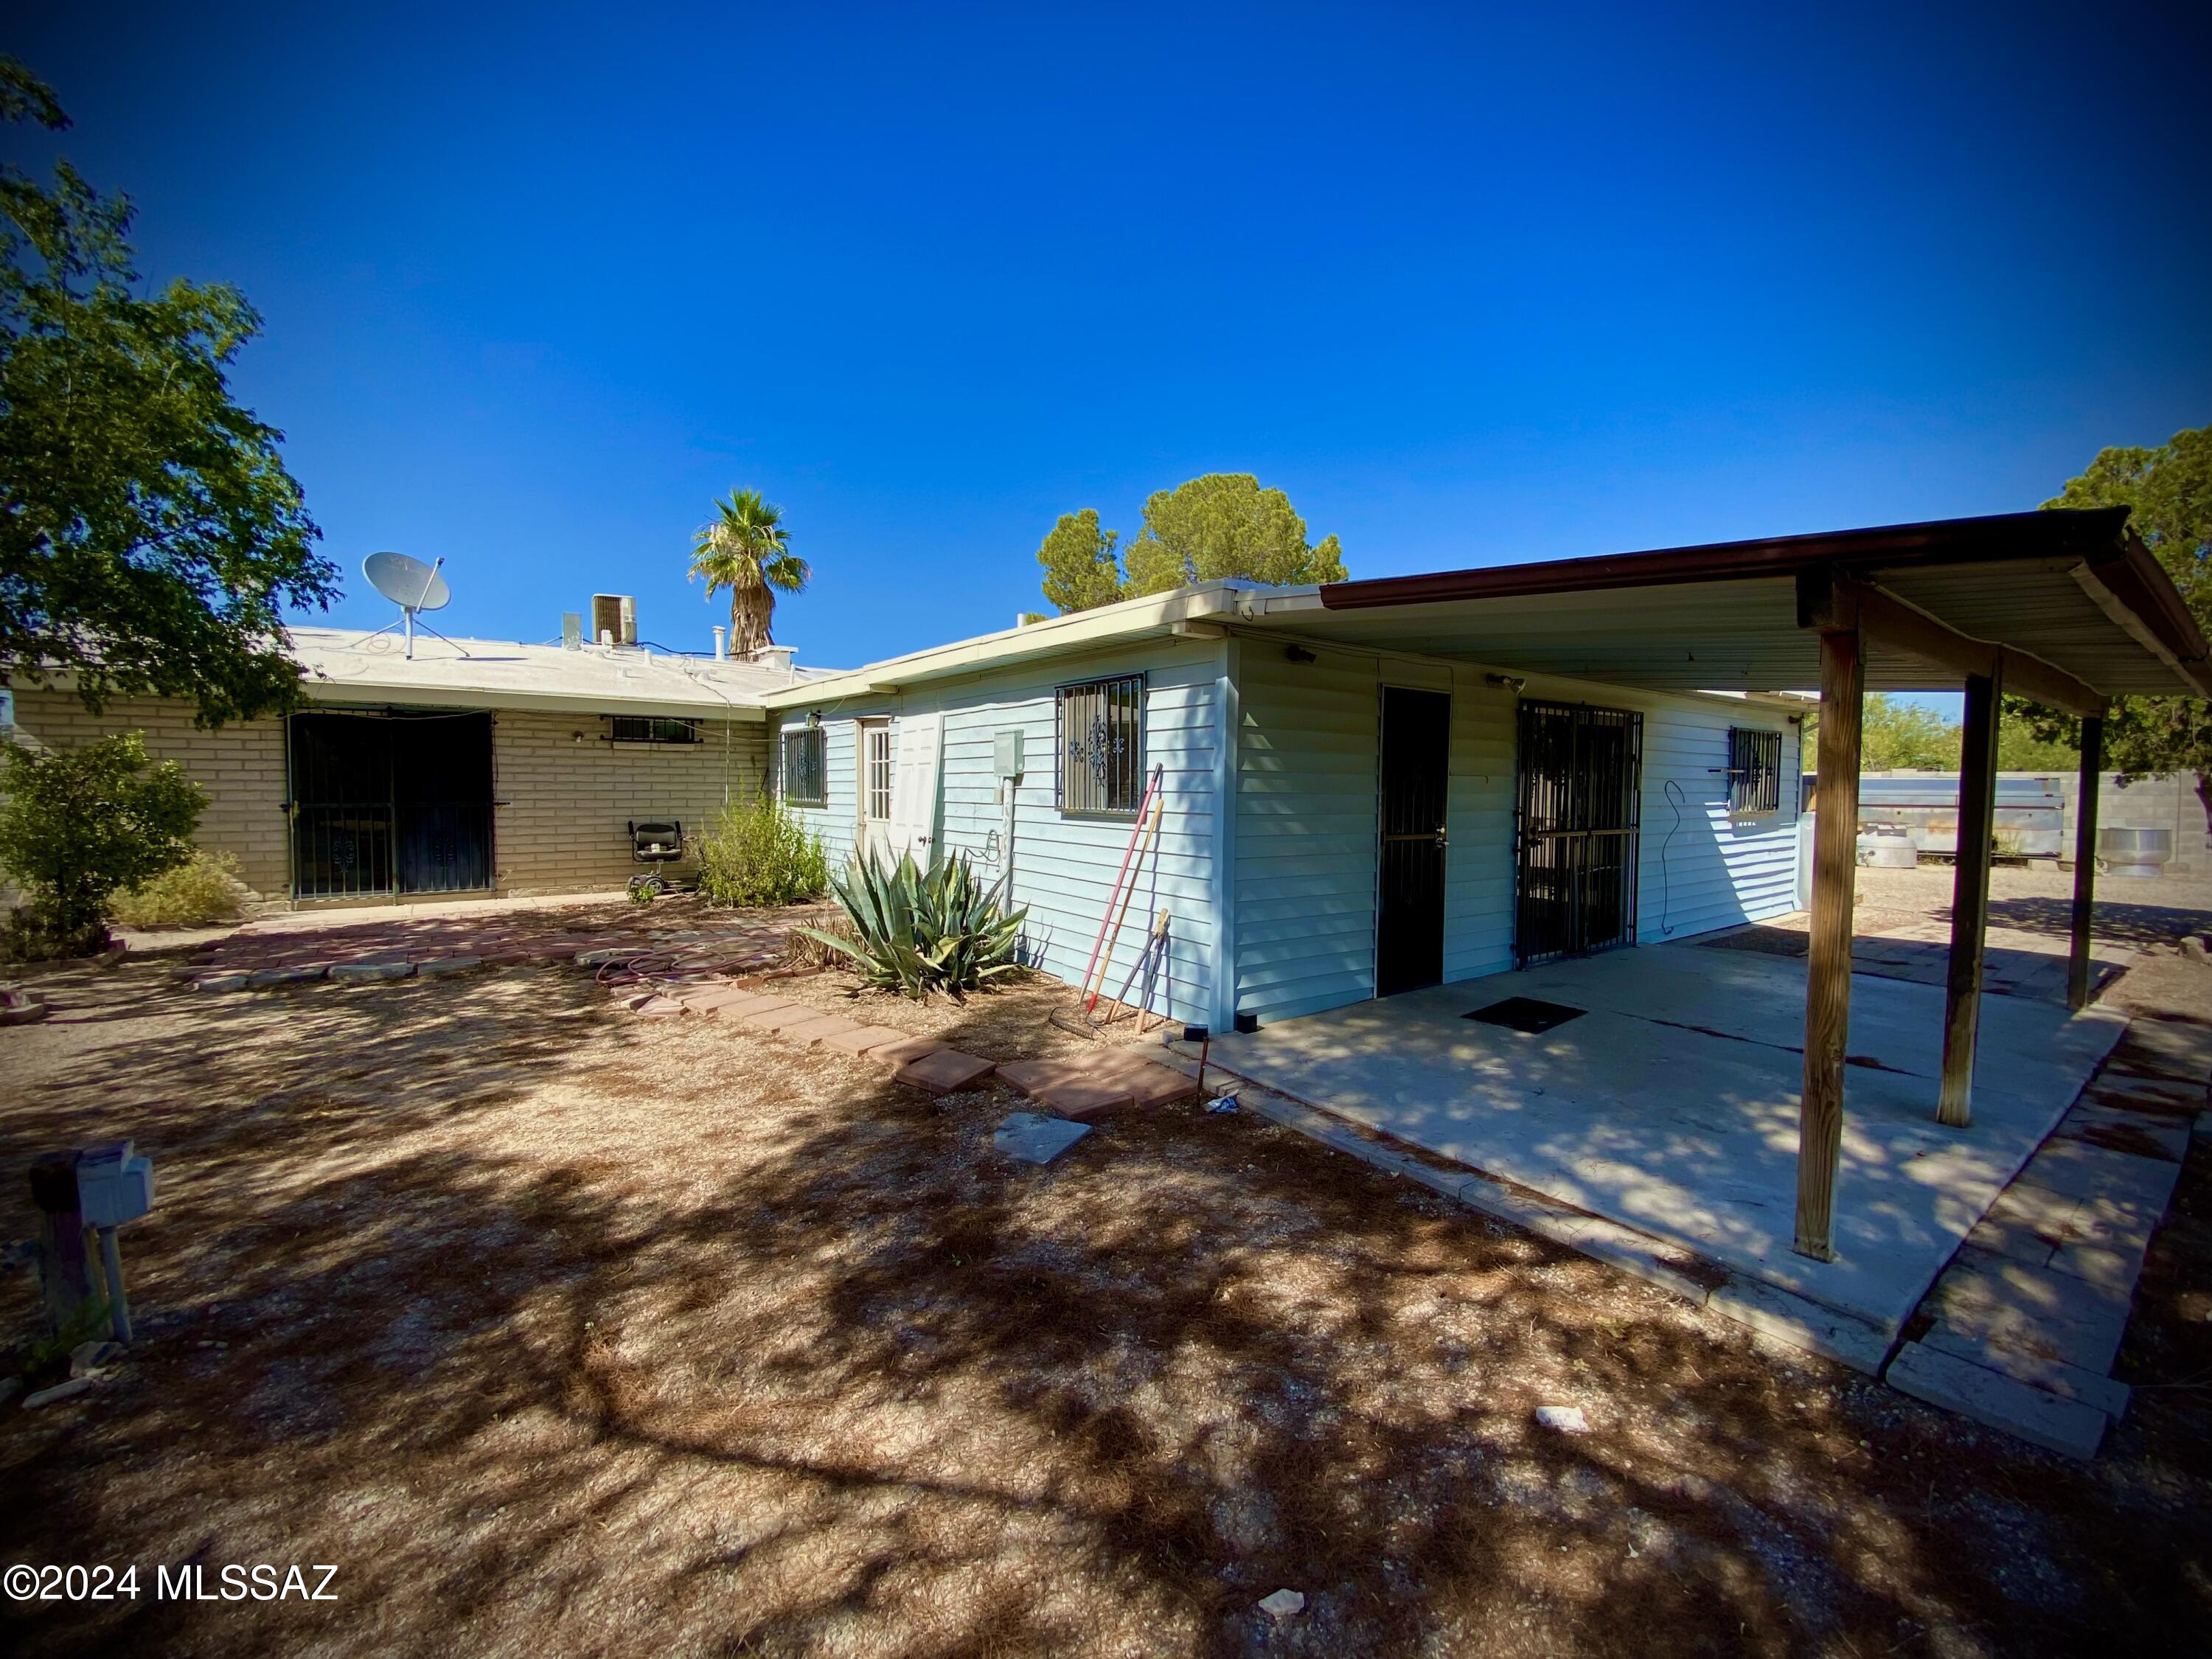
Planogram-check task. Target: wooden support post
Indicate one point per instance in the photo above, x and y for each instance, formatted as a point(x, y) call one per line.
point(2078, 986)
point(1970, 898)
point(1828, 968)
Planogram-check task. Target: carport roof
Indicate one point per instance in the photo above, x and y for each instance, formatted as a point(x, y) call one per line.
point(2073, 588)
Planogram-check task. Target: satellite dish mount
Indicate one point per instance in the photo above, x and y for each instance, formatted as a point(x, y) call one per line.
point(413, 587)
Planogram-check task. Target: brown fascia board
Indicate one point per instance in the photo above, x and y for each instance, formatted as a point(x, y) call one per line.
point(2084, 533)
point(2132, 574)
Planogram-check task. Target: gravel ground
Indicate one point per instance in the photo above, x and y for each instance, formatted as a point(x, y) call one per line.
point(559, 1331)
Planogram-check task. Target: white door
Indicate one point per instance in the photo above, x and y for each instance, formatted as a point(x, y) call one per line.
point(874, 788)
point(913, 824)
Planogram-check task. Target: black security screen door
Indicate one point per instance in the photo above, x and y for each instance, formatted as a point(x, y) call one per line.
point(1582, 788)
point(396, 805)
point(1409, 930)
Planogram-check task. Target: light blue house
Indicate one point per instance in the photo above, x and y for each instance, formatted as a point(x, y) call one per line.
point(1342, 811)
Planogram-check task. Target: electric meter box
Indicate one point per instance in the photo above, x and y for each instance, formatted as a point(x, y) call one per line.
point(1006, 754)
point(113, 1185)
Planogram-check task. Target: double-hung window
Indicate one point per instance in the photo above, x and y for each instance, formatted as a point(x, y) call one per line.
point(1099, 731)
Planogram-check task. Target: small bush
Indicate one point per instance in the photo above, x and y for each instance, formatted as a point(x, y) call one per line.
point(207, 889)
point(77, 825)
point(916, 931)
point(759, 855)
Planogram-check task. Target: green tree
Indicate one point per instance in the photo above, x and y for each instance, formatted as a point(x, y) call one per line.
point(77, 825)
point(2168, 490)
point(746, 548)
point(1224, 525)
point(1080, 569)
point(150, 535)
point(1895, 737)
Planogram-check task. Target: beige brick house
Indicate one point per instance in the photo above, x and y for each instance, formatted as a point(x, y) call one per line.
point(474, 767)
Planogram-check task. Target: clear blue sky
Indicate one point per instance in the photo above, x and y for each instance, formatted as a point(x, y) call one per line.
point(1471, 285)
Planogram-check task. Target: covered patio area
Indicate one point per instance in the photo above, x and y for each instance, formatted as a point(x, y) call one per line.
point(2069, 610)
point(1669, 1102)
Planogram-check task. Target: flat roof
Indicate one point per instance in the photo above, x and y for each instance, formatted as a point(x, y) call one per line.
point(345, 666)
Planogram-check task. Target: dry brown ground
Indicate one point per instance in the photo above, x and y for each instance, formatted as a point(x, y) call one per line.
point(564, 1331)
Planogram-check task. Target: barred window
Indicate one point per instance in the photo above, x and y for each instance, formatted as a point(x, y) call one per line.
point(649, 728)
point(806, 766)
point(1754, 770)
point(1099, 731)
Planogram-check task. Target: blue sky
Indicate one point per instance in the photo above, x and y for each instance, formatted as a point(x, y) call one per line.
point(1472, 285)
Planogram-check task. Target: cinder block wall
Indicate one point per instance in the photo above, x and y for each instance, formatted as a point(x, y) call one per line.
point(242, 767)
point(568, 792)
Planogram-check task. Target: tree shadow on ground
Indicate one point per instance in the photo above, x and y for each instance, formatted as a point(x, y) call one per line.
point(562, 1332)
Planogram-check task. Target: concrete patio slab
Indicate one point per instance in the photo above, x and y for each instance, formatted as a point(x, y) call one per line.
point(1671, 1106)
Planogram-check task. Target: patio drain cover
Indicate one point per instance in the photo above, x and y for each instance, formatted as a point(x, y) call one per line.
point(1528, 1014)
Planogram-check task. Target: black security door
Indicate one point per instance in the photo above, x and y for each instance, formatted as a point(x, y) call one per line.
point(384, 805)
point(1409, 934)
point(1581, 789)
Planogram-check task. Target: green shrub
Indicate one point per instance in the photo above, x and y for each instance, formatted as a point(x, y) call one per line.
point(760, 856)
point(205, 887)
point(78, 825)
point(916, 931)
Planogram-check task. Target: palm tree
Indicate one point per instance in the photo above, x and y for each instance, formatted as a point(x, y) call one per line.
point(742, 548)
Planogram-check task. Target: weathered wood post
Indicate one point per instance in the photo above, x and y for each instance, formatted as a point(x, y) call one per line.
point(1969, 897)
point(2078, 985)
point(1828, 968)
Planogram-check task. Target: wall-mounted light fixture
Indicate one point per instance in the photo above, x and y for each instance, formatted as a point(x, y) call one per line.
point(813, 719)
point(1510, 682)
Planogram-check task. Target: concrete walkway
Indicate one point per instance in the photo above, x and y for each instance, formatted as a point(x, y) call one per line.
point(2021, 1330)
point(1669, 1106)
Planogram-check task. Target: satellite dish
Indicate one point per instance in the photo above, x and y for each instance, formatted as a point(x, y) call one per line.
point(413, 587)
point(408, 583)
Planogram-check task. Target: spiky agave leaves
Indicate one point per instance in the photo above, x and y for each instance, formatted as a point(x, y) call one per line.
point(919, 930)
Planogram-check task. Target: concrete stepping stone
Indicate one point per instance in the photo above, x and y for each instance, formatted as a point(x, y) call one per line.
point(438, 965)
point(2007, 1304)
point(2080, 1170)
point(863, 1039)
point(2056, 1376)
point(783, 1018)
point(268, 976)
point(714, 998)
point(896, 1054)
point(944, 1071)
point(368, 973)
point(817, 1030)
point(1029, 1137)
point(1089, 1085)
point(2068, 1427)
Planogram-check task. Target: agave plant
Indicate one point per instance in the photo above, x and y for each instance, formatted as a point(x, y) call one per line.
point(919, 930)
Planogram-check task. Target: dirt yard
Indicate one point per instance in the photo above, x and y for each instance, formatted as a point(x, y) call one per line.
point(559, 1330)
